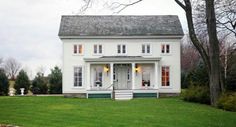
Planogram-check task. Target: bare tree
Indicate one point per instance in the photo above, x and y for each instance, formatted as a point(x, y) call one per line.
point(189, 55)
point(210, 59)
point(226, 15)
point(41, 70)
point(115, 5)
point(12, 67)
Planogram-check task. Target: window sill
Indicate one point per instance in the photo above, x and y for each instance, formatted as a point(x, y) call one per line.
point(166, 54)
point(77, 87)
point(146, 54)
point(97, 54)
point(78, 54)
point(165, 87)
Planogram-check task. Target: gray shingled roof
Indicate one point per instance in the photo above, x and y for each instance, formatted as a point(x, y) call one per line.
point(120, 25)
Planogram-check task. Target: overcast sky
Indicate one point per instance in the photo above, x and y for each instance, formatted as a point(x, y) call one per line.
point(29, 28)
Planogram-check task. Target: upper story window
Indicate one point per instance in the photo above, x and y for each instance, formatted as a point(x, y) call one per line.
point(146, 49)
point(97, 49)
point(121, 49)
point(78, 76)
point(78, 49)
point(165, 70)
point(165, 48)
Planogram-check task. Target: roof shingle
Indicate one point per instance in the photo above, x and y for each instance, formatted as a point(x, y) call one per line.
point(120, 25)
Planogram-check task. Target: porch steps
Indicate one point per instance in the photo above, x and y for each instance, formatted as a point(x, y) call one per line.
point(123, 94)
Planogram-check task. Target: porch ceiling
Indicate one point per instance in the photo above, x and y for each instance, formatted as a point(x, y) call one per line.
point(123, 59)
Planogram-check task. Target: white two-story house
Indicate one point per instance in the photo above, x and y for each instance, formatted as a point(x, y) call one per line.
point(121, 57)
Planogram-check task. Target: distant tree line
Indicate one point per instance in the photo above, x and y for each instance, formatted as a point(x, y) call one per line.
point(10, 69)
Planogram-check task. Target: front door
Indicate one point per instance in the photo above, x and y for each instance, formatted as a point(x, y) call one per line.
point(121, 74)
point(122, 78)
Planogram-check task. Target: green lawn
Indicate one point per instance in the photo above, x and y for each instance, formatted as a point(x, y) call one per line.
point(74, 112)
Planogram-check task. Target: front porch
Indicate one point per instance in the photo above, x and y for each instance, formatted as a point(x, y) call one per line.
point(122, 77)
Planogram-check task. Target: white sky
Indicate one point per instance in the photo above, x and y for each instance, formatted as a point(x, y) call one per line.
point(29, 28)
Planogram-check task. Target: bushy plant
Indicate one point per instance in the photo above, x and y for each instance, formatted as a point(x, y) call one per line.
point(39, 84)
point(227, 102)
point(55, 80)
point(22, 81)
point(230, 84)
point(197, 76)
point(4, 84)
point(197, 93)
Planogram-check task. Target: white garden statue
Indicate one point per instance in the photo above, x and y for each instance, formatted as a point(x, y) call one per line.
point(22, 91)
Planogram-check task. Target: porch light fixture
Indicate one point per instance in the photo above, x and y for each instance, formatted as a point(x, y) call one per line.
point(106, 69)
point(137, 68)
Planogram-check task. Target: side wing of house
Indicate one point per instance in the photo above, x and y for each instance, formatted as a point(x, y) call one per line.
point(120, 63)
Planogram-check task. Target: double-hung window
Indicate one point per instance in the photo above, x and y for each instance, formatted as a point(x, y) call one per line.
point(78, 76)
point(78, 49)
point(165, 76)
point(165, 48)
point(121, 49)
point(97, 49)
point(146, 49)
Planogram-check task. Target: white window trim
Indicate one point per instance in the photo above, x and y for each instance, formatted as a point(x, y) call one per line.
point(170, 49)
point(78, 54)
point(98, 54)
point(170, 78)
point(121, 49)
point(146, 54)
point(78, 87)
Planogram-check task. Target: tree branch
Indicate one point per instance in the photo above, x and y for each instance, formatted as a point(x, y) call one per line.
point(181, 4)
point(117, 5)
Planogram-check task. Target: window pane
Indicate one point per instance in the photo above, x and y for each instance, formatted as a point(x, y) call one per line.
point(80, 49)
point(143, 48)
point(95, 49)
point(167, 48)
point(77, 76)
point(148, 48)
point(124, 48)
point(100, 49)
point(75, 49)
point(118, 49)
point(165, 76)
point(162, 48)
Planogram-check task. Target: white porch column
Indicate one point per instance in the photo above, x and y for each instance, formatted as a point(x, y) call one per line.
point(133, 75)
point(88, 82)
point(156, 75)
point(111, 74)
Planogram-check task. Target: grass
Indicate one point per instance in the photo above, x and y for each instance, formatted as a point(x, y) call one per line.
point(74, 112)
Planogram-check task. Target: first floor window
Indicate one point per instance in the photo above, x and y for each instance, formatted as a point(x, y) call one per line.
point(98, 77)
point(165, 76)
point(146, 78)
point(77, 76)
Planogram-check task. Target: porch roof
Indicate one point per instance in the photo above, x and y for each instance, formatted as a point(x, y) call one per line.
point(123, 59)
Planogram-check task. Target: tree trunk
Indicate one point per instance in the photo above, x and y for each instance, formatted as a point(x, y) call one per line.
point(211, 60)
point(213, 53)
